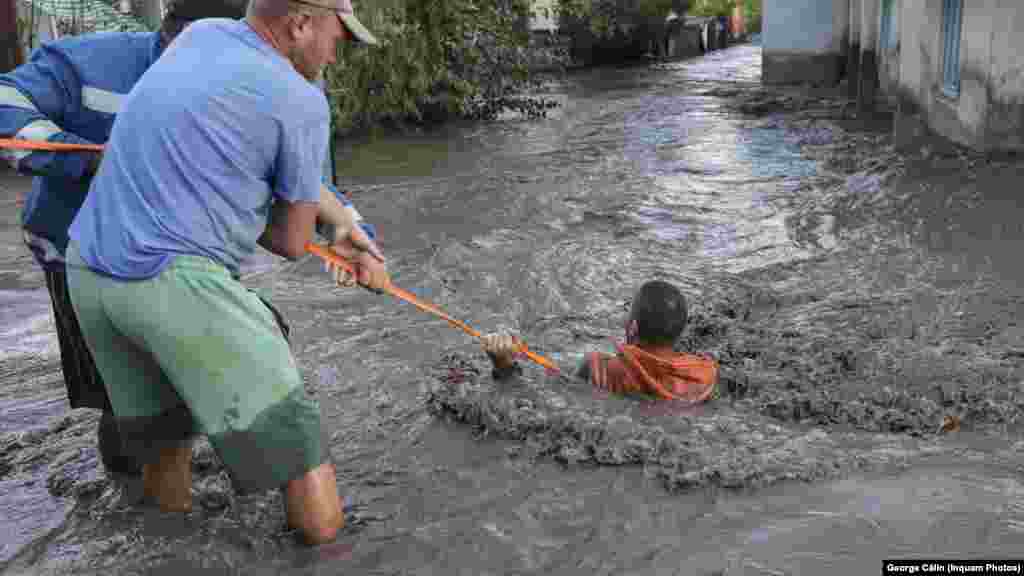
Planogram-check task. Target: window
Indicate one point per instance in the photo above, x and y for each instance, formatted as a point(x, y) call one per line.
point(952, 12)
point(889, 34)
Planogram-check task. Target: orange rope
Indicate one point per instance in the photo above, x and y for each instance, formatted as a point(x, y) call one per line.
point(20, 144)
point(329, 256)
point(318, 250)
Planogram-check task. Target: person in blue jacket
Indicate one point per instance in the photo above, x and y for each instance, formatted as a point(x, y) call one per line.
point(70, 92)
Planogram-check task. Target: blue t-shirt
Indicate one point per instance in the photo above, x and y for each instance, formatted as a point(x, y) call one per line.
point(219, 127)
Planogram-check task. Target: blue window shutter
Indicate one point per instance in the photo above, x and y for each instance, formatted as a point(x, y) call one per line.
point(952, 15)
point(886, 30)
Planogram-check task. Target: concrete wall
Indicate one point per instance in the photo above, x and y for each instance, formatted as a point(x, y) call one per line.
point(841, 29)
point(964, 117)
point(868, 81)
point(889, 54)
point(1006, 78)
point(917, 24)
point(853, 52)
point(988, 114)
point(799, 26)
point(802, 41)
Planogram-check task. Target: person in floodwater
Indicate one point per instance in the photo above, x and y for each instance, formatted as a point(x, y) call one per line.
point(647, 364)
point(70, 92)
point(218, 148)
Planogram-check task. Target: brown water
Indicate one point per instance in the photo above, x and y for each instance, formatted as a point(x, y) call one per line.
point(545, 227)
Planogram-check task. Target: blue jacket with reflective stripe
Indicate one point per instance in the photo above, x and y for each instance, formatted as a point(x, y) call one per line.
point(70, 91)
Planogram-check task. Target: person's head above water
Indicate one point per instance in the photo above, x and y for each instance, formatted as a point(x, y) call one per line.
point(181, 13)
point(306, 32)
point(657, 316)
point(648, 364)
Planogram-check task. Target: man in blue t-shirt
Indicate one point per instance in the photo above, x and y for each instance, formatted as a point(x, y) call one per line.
point(217, 148)
point(69, 92)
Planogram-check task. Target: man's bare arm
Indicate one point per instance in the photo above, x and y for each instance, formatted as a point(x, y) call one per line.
point(289, 228)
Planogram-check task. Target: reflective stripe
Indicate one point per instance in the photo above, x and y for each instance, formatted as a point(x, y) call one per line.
point(11, 96)
point(42, 248)
point(101, 100)
point(14, 157)
point(38, 130)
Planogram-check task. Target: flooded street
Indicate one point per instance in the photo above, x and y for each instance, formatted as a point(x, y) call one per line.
point(857, 297)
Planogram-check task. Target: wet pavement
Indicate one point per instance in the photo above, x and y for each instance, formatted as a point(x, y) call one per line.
point(857, 297)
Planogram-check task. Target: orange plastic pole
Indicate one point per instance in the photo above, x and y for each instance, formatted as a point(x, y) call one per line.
point(329, 256)
point(316, 249)
point(19, 144)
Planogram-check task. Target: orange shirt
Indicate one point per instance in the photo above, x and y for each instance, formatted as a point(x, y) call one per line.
point(685, 377)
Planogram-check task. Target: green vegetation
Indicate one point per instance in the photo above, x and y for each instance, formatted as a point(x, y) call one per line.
point(712, 7)
point(604, 17)
point(440, 59)
point(752, 15)
point(751, 11)
point(448, 59)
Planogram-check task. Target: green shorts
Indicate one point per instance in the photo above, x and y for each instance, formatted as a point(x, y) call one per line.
point(193, 351)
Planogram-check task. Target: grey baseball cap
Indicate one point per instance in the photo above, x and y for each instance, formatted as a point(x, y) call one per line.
point(347, 15)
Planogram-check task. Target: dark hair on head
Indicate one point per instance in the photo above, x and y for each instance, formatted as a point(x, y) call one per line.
point(659, 309)
point(181, 13)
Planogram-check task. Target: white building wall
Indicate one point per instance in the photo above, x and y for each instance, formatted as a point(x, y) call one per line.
point(1006, 77)
point(799, 26)
point(868, 73)
point(888, 50)
point(919, 63)
point(971, 106)
point(840, 26)
point(988, 112)
point(802, 40)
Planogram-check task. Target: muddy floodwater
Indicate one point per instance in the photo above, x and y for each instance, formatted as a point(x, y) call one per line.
point(863, 301)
